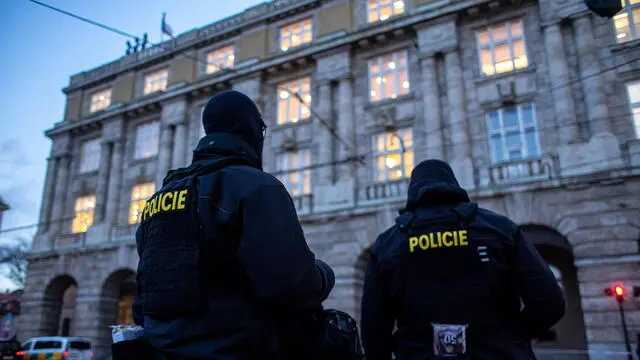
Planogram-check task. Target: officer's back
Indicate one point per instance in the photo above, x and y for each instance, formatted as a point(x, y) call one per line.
point(223, 258)
point(451, 276)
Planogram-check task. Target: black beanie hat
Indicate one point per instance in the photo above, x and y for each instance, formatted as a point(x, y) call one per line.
point(433, 181)
point(233, 112)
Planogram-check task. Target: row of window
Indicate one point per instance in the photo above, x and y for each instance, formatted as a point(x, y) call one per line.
point(512, 131)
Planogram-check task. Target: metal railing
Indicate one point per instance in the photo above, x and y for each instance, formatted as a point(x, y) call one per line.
point(531, 169)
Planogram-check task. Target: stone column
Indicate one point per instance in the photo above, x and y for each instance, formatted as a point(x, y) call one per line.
point(460, 146)
point(431, 104)
point(592, 82)
point(47, 196)
point(103, 182)
point(179, 147)
point(59, 200)
point(164, 155)
point(559, 76)
point(323, 136)
point(460, 149)
point(87, 319)
point(115, 179)
point(346, 126)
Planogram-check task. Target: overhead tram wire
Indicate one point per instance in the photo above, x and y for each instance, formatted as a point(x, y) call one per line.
point(184, 53)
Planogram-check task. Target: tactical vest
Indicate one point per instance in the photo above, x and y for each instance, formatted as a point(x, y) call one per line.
point(172, 272)
point(453, 270)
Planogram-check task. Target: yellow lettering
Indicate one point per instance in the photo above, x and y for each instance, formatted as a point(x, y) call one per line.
point(424, 242)
point(444, 239)
point(433, 243)
point(182, 197)
point(463, 238)
point(175, 199)
point(455, 238)
point(165, 206)
point(413, 242)
point(145, 210)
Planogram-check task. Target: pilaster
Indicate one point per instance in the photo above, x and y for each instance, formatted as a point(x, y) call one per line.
point(164, 154)
point(114, 184)
point(559, 77)
point(434, 148)
point(61, 190)
point(47, 196)
point(179, 146)
point(103, 181)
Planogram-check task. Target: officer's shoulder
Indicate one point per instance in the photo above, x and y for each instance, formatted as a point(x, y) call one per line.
point(256, 177)
point(385, 240)
point(496, 220)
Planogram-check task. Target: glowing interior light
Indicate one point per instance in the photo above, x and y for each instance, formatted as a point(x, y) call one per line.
point(285, 48)
point(373, 93)
point(392, 65)
point(384, 17)
point(398, 4)
point(405, 84)
point(378, 80)
point(284, 94)
point(619, 290)
point(390, 162)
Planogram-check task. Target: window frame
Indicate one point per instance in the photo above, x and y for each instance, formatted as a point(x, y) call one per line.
point(522, 129)
point(306, 96)
point(155, 72)
point(635, 123)
point(627, 10)
point(208, 62)
point(81, 165)
point(491, 45)
point(136, 153)
point(289, 27)
point(379, 7)
point(386, 152)
point(89, 212)
point(303, 171)
point(381, 73)
point(141, 200)
point(92, 100)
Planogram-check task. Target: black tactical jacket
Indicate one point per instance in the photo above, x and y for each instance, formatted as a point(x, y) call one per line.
point(448, 262)
point(255, 265)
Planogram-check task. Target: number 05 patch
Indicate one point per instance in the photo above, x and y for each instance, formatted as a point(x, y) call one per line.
point(449, 340)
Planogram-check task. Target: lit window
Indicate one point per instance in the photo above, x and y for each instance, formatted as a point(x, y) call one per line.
point(394, 158)
point(139, 195)
point(380, 10)
point(125, 310)
point(513, 134)
point(100, 100)
point(147, 140)
point(290, 110)
point(501, 48)
point(627, 22)
point(156, 81)
point(90, 156)
point(633, 90)
point(295, 34)
point(388, 77)
point(293, 171)
point(219, 59)
point(83, 218)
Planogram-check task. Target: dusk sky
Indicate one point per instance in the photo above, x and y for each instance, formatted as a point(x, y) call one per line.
point(40, 50)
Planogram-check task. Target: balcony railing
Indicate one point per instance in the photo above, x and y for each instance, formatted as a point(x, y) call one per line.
point(303, 204)
point(532, 169)
point(67, 241)
point(383, 192)
point(125, 232)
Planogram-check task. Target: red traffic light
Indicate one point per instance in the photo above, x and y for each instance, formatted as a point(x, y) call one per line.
point(618, 290)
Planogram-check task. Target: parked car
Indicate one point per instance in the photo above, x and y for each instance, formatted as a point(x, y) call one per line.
point(57, 348)
point(10, 350)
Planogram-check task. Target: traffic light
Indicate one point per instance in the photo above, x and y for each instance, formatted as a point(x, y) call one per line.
point(617, 290)
point(604, 8)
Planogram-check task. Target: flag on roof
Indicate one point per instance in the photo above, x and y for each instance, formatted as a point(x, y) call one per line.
point(165, 28)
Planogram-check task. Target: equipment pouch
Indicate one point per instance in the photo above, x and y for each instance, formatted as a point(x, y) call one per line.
point(449, 341)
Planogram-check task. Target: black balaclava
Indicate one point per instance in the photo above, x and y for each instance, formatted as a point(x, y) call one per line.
point(233, 112)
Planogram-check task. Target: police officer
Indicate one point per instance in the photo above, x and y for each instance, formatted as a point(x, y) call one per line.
point(458, 281)
point(223, 258)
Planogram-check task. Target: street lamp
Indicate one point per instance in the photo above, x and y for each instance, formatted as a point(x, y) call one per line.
point(618, 291)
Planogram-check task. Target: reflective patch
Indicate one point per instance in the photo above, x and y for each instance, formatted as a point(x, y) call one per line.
point(165, 202)
point(449, 340)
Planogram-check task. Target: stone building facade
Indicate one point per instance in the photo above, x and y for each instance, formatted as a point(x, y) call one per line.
point(531, 102)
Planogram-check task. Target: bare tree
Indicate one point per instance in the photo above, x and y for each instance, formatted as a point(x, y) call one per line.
point(13, 257)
